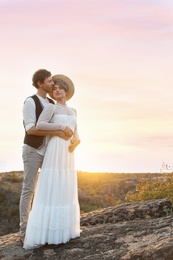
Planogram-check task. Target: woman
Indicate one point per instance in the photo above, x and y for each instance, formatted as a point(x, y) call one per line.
point(55, 214)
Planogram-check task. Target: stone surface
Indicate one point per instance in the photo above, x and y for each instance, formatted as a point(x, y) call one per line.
point(141, 230)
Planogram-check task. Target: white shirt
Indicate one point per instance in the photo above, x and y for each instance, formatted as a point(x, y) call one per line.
point(29, 116)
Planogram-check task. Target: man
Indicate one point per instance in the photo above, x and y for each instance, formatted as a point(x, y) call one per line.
point(34, 142)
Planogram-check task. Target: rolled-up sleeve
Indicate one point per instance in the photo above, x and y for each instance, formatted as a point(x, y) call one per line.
point(29, 114)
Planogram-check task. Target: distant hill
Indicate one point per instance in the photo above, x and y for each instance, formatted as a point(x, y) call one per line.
point(96, 191)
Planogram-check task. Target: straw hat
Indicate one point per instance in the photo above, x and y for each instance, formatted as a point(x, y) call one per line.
point(67, 81)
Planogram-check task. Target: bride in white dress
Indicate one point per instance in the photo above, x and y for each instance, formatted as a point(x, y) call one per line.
point(55, 214)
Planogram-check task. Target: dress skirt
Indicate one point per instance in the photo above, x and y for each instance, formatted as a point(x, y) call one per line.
point(55, 214)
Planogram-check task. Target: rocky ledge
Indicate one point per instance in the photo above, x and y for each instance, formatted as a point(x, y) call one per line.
point(142, 230)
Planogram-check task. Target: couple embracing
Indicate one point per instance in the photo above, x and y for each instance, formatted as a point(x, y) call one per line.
point(51, 136)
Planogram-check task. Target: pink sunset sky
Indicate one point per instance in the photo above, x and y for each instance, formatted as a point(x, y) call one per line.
point(119, 54)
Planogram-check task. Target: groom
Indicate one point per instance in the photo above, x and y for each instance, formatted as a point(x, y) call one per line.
point(34, 142)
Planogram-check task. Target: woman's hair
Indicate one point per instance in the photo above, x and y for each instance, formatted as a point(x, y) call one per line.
point(40, 76)
point(62, 84)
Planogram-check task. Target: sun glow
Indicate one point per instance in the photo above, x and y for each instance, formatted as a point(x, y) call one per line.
point(120, 61)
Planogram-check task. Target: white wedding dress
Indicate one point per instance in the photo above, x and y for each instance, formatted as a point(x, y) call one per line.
point(55, 214)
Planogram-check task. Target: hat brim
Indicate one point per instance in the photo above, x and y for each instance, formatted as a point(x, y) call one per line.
point(68, 82)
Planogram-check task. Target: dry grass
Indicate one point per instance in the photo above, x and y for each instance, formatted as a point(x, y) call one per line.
point(96, 190)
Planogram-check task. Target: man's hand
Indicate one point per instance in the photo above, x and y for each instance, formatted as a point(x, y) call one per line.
point(73, 145)
point(59, 133)
point(62, 135)
point(68, 132)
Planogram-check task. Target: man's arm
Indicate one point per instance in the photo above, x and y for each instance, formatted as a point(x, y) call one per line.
point(34, 131)
point(29, 117)
point(44, 121)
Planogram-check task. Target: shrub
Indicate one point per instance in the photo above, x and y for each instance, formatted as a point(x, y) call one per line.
point(153, 189)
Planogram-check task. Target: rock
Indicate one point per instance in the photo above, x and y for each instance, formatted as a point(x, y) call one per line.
point(141, 230)
point(128, 211)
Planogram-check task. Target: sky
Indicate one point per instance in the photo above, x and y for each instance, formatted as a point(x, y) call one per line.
point(119, 56)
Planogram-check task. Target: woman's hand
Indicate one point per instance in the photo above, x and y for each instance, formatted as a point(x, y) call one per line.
point(73, 145)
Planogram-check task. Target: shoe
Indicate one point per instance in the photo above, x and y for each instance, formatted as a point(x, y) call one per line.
point(22, 240)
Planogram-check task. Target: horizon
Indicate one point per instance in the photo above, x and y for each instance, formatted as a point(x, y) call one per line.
point(78, 171)
point(119, 56)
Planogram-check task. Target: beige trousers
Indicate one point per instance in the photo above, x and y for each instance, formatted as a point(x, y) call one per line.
point(32, 162)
